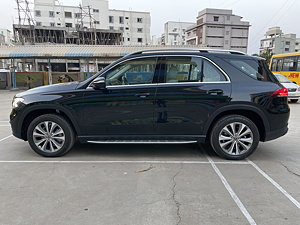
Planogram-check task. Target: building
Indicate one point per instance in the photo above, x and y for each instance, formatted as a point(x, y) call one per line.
point(90, 17)
point(174, 33)
point(219, 28)
point(7, 36)
point(277, 42)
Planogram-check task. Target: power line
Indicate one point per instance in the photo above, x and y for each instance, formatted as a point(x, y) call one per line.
point(255, 37)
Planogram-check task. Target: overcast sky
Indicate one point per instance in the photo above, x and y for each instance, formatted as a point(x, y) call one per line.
point(262, 14)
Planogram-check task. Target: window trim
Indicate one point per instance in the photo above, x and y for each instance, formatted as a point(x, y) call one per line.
point(159, 58)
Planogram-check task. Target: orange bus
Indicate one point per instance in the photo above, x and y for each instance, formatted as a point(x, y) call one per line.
point(287, 64)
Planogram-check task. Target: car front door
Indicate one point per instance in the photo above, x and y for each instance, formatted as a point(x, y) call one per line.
point(126, 106)
point(190, 89)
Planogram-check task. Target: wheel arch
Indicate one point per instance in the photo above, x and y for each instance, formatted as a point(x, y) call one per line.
point(37, 110)
point(251, 112)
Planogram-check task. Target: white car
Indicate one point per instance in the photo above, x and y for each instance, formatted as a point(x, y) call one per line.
point(294, 89)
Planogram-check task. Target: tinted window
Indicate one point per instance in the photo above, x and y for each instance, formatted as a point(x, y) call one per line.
point(256, 69)
point(289, 64)
point(191, 69)
point(137, 71)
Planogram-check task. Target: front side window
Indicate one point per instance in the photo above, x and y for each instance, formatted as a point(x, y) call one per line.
point(132, 72)
point(191, 69)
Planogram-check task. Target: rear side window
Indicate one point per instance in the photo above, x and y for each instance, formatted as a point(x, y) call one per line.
point(255, 69)
point(191, 69)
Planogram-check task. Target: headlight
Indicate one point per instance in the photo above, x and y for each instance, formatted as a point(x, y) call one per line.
point(16, 102)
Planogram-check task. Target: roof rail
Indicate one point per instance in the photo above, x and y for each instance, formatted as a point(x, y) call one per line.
point(188, 49)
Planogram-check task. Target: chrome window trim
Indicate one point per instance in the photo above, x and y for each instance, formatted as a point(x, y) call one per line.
point(176, 83)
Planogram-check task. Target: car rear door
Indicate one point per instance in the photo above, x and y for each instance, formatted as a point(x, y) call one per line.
point(189, 90)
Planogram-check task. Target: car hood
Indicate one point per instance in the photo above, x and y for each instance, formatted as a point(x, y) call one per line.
point(50, 88)
point(290, 85)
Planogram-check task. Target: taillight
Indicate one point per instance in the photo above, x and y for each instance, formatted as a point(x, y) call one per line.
point(281, 92)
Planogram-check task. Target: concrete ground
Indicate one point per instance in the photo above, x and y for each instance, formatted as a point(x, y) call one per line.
point(149, 184)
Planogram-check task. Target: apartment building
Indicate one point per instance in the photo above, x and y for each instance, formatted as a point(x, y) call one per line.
point(94, 14)
point(174, 33)
point(277, 42)
point(219, 28)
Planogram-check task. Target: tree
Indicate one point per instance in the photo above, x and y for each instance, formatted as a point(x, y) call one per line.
point(267, 55)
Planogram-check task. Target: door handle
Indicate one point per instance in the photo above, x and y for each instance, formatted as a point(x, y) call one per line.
point(215, 92)
point(142, 95)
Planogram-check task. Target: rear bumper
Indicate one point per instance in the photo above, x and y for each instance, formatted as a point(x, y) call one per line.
point(276, 134)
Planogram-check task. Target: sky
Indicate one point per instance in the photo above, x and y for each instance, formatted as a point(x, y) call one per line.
point(262, 14)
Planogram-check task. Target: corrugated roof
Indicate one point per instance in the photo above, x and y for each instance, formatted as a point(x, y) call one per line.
point(76, 51)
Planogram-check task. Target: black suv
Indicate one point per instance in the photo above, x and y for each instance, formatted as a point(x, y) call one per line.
point(226, 98)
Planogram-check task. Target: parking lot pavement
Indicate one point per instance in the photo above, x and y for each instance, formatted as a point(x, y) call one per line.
point(149, 184)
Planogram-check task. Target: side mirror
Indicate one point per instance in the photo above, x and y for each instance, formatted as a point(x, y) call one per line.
point(99, 83)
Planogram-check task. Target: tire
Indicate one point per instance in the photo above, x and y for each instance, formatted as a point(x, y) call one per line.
point(294, 100)
point(50, 135)
point(226, 139)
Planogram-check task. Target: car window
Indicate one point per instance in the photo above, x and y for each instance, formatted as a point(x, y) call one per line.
point(132, 72)
point(191, 69)
point(282, 79)
point(256, 69)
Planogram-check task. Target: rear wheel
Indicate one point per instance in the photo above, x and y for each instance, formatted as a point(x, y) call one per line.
point(50, 135)
point(234, 137)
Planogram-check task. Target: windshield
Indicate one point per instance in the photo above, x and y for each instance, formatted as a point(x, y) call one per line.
point(282, 79)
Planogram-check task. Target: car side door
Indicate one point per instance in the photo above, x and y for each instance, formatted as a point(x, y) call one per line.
point(190, 89)
point(126, 105)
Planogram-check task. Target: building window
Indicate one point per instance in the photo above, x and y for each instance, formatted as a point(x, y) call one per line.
point(38, 24)
point(95, 10)
point(139, 20)
point(58, 24)
point(287, 43)
point(96, 22)
point(128, 39)
point(126, 18)
point(78, 25)
point(111, 19)
point(140, 30)
point(51, 13)
point(287, 49)
point(121, 19)
point(68, 14)
point(140, 40)
point(111, 28)
point(57, 13)
point(216, 18)
point(52, 24)
point(68, 24)
point(38, 13)
point(77, 15)
point(121, 28)
point(127, 28)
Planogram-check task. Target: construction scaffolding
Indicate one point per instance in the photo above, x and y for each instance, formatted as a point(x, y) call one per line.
point(84, 33)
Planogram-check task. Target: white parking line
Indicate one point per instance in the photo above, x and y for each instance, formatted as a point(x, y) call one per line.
point(231, 192)
point(275, 183)
point(129, 162)
point(5, 138)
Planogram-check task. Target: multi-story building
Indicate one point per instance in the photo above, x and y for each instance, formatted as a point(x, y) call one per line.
point(219, 28)
point(174, 33)
point(94, 14)
point(7, 36)
point(277, 43)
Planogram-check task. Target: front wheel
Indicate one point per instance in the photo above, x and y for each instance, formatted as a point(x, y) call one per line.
point(234, 137)
point(50, 135)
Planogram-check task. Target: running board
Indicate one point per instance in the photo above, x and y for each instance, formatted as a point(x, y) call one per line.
point(142, 142)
